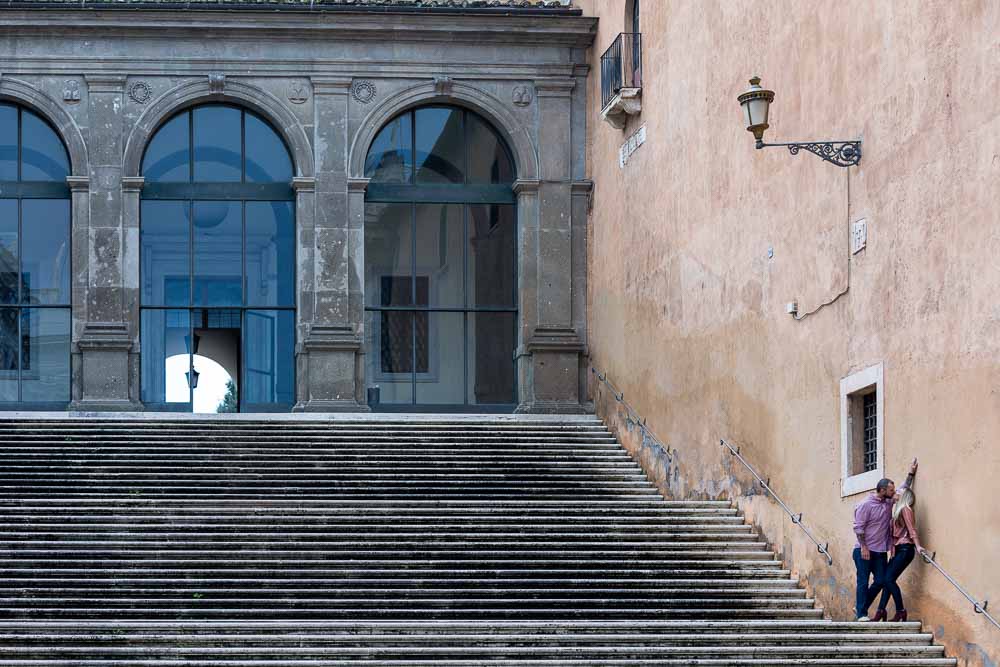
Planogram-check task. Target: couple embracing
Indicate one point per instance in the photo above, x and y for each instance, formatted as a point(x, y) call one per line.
point(885, 525)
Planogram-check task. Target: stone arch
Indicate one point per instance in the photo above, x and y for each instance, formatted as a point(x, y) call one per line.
point(513, 131)
point(235, 92)
point(38, 101)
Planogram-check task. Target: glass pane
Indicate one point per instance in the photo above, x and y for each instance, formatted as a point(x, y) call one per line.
point(440, 144)
point(8, 142)
point(166, 255)
point(390, 344)
point(440, 233)
point(168, 157)
point(43, 157)
point(440, 359)
point(218, 253)
point(488, 160)
point(45, 251)
point(166, 357)
point(267, 158)
point(8, 251)
point(492, 255)
point(269, 353)
point(8, 354)
point(217, 152)
point(270, 254)
point(490, 344)
point(390, 158)
point(45, 354)
point(216, 361)
point(388, 254)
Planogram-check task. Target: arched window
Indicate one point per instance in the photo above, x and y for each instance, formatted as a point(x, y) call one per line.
point(34, 261)
point(217, 263)
point(440, 262)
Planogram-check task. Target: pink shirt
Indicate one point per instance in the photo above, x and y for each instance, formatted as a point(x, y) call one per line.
point(904, 529)
point(872, 519)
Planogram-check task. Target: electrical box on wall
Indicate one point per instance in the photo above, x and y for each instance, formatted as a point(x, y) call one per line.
point(859, 236)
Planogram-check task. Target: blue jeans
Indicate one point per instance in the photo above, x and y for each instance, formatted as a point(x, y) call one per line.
point(874, 567)
point(900, 560)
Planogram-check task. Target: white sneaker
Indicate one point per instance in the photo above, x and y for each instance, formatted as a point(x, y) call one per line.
point(863, 619)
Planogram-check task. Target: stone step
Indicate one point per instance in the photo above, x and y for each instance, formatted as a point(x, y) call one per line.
point(499, 571)
point(385, 541)
point(153, 527)
point(278, 552)
point(239, 542)
point(220, 439)
point(575, 627)
point(487, 652)
point(499, 662)
point(325, 590)
point(109, 636)
point(777, 586)
point(412, 611)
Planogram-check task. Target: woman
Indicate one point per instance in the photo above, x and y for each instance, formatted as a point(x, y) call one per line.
point(905, 543)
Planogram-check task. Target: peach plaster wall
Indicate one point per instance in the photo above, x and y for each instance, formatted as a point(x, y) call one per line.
point(687, 309)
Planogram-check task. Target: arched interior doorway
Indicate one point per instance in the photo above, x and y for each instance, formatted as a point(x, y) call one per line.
point(440, 264)
point(217, 265)
point(35, 257)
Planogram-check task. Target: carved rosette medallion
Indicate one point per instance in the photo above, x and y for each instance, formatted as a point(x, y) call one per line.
point(298, 92)
point(363, 91)
point(521, 96)
point(140, 92)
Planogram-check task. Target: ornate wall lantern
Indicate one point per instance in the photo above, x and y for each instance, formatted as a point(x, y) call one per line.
point(756, 103)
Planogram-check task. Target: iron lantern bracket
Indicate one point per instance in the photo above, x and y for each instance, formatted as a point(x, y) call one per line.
point(840, 153)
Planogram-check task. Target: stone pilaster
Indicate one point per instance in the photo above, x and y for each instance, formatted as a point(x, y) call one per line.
point(105, 341)
point(550, 352)
point(331, 344)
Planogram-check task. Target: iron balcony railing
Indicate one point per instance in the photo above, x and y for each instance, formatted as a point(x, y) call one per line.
point(621, 66)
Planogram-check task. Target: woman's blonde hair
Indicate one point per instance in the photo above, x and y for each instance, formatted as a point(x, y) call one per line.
point(906, 499)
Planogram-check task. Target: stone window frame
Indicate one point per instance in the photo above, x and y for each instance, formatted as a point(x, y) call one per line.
point(852, 389)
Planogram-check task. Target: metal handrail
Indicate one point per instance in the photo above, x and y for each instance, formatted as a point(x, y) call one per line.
point(796, 518)
point(978, 607)
point(633, 417)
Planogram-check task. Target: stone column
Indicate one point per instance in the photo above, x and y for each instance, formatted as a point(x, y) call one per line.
point(332, 342)
point(105, 343)
point(549, 355)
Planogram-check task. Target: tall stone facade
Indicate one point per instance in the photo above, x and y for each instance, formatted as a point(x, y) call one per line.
point(327, 77)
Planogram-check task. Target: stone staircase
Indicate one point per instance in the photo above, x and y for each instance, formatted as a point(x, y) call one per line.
point(424, 541)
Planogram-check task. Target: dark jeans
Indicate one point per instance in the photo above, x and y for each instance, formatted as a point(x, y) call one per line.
point(902, 557)
point(873, 567)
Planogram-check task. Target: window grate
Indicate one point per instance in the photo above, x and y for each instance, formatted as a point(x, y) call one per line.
point(871, 432)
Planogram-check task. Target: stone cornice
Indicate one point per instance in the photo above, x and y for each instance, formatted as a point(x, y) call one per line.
point(471, 28)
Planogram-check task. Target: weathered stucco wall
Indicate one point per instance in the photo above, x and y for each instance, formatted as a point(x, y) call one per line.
point(687, 304)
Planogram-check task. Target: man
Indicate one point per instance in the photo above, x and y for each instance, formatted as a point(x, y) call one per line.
point(873, 527)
